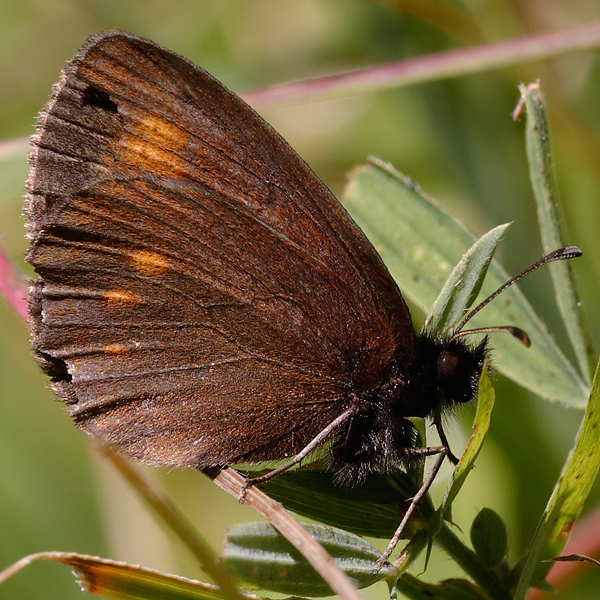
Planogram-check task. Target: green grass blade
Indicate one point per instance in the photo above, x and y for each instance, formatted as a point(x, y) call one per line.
point(550, 217)
point(568, 496)
point(485, 403)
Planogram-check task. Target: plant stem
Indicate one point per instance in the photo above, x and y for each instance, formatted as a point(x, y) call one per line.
point(470, 563)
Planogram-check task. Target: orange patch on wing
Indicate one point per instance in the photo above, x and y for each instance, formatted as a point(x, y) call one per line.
point(149, 263)
point(121, 296)
point(115, 349)
point(153, 144)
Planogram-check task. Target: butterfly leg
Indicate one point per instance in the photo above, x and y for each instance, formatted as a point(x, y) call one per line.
point(317, 441)
point(437, 421)
point(442, 452)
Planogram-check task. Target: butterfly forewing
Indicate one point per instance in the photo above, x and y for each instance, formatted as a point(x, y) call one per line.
point(203, 297)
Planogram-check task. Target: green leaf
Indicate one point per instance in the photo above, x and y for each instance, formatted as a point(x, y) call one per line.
point(263, 558)
point(485, 403)
point(550, 217)
point(489, 537)
point(472, 564)
point(463, 285)
point(420, 242)
point(374, 509)
point(568, 497)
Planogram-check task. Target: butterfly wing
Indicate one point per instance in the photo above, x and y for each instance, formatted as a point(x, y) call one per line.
point(203, 298)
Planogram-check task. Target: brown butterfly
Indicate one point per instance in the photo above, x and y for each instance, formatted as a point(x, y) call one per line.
point(203, 298)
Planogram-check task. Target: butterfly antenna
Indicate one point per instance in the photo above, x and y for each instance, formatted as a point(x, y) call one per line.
point(560, 254)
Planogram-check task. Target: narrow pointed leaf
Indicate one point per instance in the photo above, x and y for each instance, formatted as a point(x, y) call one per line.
point(485, 403)
point(462, 287)
point(550, 217)
point(568, 496)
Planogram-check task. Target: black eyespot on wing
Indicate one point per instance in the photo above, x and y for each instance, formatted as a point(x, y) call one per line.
point(55, 368)
point(92, 96)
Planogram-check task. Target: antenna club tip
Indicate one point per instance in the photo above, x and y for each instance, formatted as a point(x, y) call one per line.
point(521, 335)
point(570, 252)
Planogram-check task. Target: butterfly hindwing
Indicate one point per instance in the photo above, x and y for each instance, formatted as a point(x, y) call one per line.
point(203, 298)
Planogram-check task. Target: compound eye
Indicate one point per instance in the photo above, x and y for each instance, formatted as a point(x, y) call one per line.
point(447, 364)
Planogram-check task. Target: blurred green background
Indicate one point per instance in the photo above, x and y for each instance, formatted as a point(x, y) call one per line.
point(456, 138)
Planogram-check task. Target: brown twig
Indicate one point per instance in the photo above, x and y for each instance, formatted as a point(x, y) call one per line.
point(233, 483)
